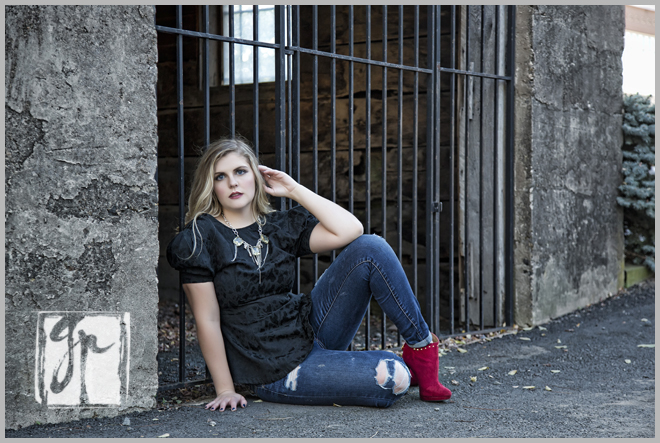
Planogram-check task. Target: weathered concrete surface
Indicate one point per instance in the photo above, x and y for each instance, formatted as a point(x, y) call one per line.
point(81, 196)
point(522, 165)
point(569, 240)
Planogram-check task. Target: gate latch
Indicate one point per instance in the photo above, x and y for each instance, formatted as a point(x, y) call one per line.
point(437, 206)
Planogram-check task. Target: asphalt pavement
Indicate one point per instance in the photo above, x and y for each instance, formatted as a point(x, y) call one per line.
point(581, 375)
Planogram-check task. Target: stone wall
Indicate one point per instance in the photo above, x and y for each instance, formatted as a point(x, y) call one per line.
point(81, 210)
point(568, 235)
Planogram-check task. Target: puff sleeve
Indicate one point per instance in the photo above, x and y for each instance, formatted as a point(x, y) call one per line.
point(189, 253)
point(302, 223)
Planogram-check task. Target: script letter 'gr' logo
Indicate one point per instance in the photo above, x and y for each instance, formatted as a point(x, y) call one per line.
point(82, 358)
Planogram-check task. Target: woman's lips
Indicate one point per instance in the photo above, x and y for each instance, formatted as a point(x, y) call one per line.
point(235, 195)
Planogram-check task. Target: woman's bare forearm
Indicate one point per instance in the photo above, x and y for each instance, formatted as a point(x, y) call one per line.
point(337, 227)
point(335, 219)
point(204, 305)
point(212, 345)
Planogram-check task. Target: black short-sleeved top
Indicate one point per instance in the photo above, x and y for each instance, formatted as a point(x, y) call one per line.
point(264, 325)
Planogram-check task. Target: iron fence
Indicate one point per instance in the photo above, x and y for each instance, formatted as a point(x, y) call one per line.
point(452, 141)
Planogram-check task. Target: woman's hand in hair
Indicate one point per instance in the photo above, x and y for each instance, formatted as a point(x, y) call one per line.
point(278, 183)
point(227, 399)
point(336, 228)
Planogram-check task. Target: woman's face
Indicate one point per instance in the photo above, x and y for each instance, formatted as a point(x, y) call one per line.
point(234, 183)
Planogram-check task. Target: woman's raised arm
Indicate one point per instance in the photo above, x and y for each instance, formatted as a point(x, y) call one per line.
point(337, 227)
point(204, 305)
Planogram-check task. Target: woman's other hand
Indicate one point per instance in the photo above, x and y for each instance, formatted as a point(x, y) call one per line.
point(227, 399)
point(278, 183)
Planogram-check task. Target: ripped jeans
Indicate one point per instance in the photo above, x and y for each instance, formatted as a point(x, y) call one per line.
point(330, 374)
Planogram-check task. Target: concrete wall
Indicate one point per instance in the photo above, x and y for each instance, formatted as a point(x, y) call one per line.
point(568, 236)
point(81, 209)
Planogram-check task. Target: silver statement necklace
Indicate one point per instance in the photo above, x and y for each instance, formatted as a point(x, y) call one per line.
point(253, 251)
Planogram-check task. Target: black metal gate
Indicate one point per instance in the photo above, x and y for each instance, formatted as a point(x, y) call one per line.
point(402, 114)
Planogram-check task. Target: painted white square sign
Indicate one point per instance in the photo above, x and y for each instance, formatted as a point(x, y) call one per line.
point(82, 358)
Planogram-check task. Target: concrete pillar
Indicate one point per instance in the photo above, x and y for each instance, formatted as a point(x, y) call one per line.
point(81, 203)
point(568, 227)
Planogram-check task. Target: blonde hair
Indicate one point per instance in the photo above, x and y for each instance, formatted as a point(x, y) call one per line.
point(202, 199)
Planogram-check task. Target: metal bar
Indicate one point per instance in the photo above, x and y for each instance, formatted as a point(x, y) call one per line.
point(205, 61)
point(466, 268)
point(399, 182)
point(476, 74)
point(182, 209)
point(452, 178)
point(280, 105)
point(367, 153)
point(295, 134)
point(232, 79)
point(509, 167)
point(222, 38)
point(384, 130)
point(365, 61)
point(415, 191)
point(367, 157)
point(292, 49)
point(404, 67)
point(351, 178)
point(255, 78)
point(384, 159)
point(436, 174)
point(430, 99)
point(179, 115)
point(315, 118)
point(289, 110)
point(481, 179)
point(333, 107)
point(399, 144)
point(207, 112)
point(496, 292)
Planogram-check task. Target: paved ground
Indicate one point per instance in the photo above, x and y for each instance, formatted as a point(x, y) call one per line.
point(604, 387)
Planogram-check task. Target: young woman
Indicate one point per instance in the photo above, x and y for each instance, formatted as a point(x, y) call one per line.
point(237, 256)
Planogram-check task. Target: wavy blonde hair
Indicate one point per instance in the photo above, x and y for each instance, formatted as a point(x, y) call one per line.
point(202, 199)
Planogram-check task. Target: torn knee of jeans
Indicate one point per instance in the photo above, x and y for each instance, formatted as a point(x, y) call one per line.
point(292, 379)
point(391, 374)
point(401, 378)
point(382, 373)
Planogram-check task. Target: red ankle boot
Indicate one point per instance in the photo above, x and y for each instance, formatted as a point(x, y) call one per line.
point(424, 366)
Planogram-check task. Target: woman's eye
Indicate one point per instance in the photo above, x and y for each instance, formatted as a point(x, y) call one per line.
point(241, 172)
point(220, 177)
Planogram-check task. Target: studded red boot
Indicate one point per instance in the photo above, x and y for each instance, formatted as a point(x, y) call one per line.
point(424, 366)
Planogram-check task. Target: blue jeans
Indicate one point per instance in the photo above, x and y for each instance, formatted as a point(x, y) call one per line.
point(330, 374)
